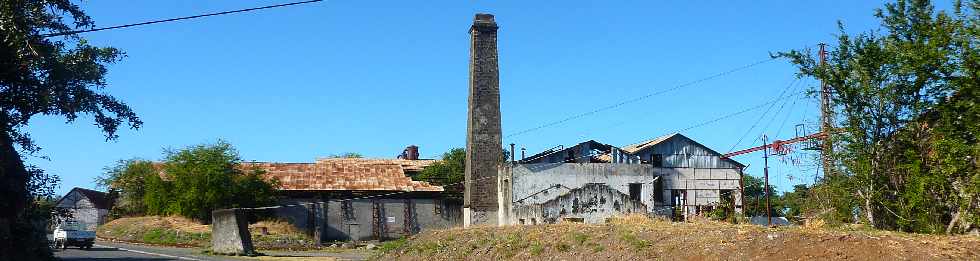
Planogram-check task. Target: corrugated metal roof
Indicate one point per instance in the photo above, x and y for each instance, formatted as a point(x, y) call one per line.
point(644, 144)
point(347, 174)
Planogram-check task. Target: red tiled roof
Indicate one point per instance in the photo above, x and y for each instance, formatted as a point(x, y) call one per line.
point(408, 165)
point(348, 174)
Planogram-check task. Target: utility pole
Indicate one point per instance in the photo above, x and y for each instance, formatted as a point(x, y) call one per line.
point(826, 119)
point(765, 171)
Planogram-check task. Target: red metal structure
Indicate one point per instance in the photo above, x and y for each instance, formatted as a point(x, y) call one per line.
point(779, 146)
point(776, 145)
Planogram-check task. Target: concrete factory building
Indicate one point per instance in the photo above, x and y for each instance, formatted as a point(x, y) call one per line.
point(671, 176)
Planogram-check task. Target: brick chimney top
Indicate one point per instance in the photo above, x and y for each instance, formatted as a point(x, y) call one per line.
point(483, 18)
point(484, 22)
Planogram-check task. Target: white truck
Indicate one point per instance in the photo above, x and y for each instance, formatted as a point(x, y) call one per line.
point(70, 233)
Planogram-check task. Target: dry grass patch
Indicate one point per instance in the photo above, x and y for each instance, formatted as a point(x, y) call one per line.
point(183, 232)
point(641, 238)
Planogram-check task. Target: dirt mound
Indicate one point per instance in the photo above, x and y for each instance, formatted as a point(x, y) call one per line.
point(641, 238)
point(179, 231)
point(174, 231)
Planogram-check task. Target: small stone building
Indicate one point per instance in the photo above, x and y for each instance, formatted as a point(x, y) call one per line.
point(672, 176)
point(89, 208)
point(340, 199)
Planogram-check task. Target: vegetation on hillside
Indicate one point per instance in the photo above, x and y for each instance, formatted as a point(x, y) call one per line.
point(184, 232)
point(907, 138)
point(641, 238)
point(195, 181)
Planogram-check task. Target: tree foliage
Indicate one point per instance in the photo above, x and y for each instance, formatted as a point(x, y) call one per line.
point(126, 182)
point(450, 170)
point(755, 198)
point(196, 180)
point(62, 76)
point(907, 139)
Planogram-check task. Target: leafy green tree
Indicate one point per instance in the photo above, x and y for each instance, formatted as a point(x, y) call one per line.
point(202, 178)
point(755, 198)
point(450, 170)
point(158, 195)
point(905, 151)
point(45, 76)
point(795, 202)
point(127, 179)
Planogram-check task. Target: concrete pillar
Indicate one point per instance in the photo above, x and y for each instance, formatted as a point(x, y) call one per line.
point(484, 151)
point(505, 195)
point(229, 233)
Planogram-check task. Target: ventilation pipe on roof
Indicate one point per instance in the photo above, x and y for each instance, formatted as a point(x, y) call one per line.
point(410, 153)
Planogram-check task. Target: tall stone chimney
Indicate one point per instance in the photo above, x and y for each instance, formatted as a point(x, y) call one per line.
point(483, 136)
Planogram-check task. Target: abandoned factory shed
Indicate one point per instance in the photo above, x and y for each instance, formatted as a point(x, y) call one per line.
point(672, 176)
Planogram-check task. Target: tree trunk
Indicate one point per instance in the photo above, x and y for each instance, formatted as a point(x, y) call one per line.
point(868, 212)
point(13, 195)
point(952, 223)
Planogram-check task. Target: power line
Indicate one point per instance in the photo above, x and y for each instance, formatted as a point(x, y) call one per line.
point(773, 119)
point(763, 116)
point(619, 104)
point(734, 114)
point(177, 19)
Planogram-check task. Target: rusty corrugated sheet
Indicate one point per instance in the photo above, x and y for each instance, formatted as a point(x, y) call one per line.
point(345, 174)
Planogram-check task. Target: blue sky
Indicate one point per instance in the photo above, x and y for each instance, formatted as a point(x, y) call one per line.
point(296, 83)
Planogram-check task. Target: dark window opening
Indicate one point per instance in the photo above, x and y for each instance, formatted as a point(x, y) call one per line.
point(658, 192)
point(657, 160)
point(348, 208)
point(635, 190)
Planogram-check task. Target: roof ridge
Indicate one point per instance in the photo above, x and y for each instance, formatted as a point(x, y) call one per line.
point(647, 142)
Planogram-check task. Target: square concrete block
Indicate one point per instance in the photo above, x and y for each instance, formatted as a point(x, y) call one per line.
point(708, 201)
point(720, 173)
point(728, 184)
point(702, 173)
point(734, 175)
point(707, 193)
point(706, 184)
point(685, 173)
point(692, 184)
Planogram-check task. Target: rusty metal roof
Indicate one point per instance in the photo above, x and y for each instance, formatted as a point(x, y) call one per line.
point(633, 148)
point(347, 174)
point(407, 165)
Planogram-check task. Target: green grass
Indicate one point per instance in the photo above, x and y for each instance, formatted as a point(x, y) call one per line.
point(580, 238)
point(634, 241)
point(536, 249)
point(162, 236)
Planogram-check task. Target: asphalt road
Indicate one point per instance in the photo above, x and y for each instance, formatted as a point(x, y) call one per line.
point(114, 251)
point(106, 251)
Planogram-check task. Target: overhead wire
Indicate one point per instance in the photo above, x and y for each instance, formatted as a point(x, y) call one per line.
point(176, 19)
point(780, 96)
point(773, 119)
point(639, 98)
